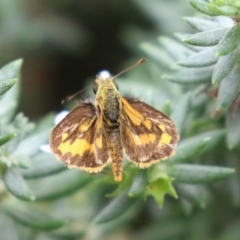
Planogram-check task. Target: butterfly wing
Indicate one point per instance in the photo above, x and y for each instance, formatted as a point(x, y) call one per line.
point(148, 135)
point(78, 140)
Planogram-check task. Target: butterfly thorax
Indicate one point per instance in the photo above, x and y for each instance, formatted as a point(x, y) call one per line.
point(108, 98)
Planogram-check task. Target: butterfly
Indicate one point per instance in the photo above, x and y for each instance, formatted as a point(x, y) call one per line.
point(98, 133)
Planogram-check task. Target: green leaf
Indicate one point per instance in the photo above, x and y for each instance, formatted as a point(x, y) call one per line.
point(166, 108)
point(22, 161)
point(234, 3)
point(159, 187)
point(201, 59)
point(115, 208)
point(196, 174)
point(22, 128)
point(224, 66)
point(6, 138)
point(180, 112)
point(43, 164)
point(222, 10)
point(174, 48)
point(195, 194)
point(189, 148)
point(16, 185)
point(190, 75)
point(4, 164)
point(31, 145)
point(67, 182)
point(233, 129)
point(139, 184)
point(202, 7)
point(157, 54)
point(6, 84)
point(33, 217)
point(202, 25)
point(229, 42)
point(7, 228)
point(163, 227)
point(198, 99)
point(11, 70)
point(149, 92)
point(231, 231)
point(68, 233)
point(228, 89)
point(207, 38)
point(9, 103)
point(215, 135)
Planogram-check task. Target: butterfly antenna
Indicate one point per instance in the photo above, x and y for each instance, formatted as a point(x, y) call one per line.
point(140, 61)
point(67, 98)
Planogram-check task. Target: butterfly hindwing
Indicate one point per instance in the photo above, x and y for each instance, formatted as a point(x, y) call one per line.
point(78, 140)
point(148, 135)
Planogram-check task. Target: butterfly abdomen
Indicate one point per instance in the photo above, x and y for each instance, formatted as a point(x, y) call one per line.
point(115, 151)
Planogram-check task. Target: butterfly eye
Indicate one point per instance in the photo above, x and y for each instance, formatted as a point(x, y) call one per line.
point(95, 88)
point(116, 85)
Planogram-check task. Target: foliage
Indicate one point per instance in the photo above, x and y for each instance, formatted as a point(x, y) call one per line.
point(41, 199)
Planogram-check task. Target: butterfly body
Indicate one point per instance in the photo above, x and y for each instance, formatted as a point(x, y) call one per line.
point(94, 135)
point(109, 104)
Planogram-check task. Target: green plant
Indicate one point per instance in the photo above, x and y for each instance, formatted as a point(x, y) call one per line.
point(41, 199)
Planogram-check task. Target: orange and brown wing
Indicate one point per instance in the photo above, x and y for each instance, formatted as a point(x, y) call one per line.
point(148, 135)
point(78, 140)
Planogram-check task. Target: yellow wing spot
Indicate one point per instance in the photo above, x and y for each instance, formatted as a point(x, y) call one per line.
point(148, 124)
point(143, 139)
point(64, 136)
point(134, 115)
point(134, 119)
point(79, 146)
point(152, 137)
point(162, 127)
point(83, 127)
point(136, 139)
point(165, 139)
point(99, 142)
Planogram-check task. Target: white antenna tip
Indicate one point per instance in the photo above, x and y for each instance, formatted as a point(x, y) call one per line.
point(104, 74)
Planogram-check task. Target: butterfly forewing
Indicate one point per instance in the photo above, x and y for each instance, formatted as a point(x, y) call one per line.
point(78, 140)
point(148, 135)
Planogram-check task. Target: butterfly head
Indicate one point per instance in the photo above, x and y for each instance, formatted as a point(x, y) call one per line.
point(103, 82)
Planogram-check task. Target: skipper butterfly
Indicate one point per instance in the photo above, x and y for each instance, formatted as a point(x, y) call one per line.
point(93, 135)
